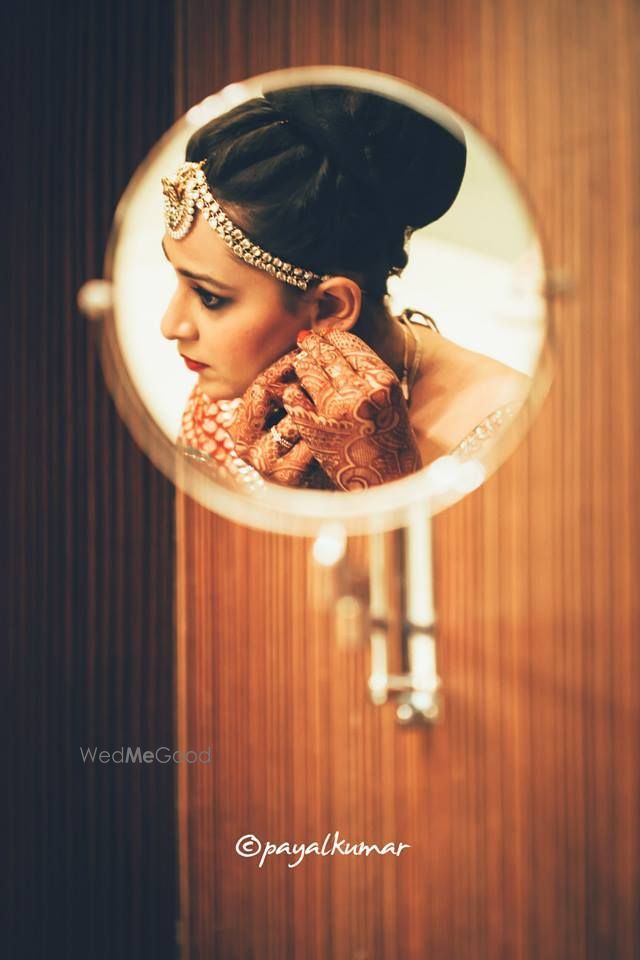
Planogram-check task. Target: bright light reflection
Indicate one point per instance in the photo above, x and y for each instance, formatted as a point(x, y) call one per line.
point(472, 475)
point(330, 545)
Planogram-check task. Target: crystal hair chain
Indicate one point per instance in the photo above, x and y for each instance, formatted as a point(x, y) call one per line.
point(189, 191)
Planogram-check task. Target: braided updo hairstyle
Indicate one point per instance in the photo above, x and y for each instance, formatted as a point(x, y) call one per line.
point(333, 179)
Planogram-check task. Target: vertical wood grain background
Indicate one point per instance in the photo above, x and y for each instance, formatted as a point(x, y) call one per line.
point(521, 808)
point(89, 855)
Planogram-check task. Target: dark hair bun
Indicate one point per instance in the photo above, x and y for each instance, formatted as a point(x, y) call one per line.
point(334, 179)
point(402, 159)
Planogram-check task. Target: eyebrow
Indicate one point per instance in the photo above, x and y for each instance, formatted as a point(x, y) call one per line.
point(195, 276)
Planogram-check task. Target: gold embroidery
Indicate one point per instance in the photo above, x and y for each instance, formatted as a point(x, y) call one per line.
point(485, 431)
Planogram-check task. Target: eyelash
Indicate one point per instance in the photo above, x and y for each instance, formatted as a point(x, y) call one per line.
point(203, 295)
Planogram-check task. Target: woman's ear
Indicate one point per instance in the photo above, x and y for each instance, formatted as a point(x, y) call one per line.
point(338, 301)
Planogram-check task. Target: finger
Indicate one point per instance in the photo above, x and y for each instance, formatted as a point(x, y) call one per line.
point(276, 376)
point(257, 404)
point(287, 430)
point(275, 462)
point(312, 377)
point(294, 397)
point(298, 458)
point(358, 354)
point(273, 445)
point(330, 401)
point(294, 468)
point(335, 364)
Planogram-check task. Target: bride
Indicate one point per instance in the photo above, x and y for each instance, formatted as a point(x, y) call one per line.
point(284, 224)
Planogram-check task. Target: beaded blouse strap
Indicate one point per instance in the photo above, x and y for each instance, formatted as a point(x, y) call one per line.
point(411, 315)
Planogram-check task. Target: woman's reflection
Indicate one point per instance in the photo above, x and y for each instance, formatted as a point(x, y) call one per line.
point(283, 227)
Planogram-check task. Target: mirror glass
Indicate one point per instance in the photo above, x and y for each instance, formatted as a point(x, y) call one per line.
point(327, 302)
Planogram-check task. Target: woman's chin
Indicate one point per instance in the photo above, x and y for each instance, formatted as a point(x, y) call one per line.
point(215, 391)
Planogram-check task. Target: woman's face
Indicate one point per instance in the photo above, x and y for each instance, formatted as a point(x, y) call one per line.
point(225, 313)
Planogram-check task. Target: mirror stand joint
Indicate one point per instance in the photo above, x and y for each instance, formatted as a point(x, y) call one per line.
point(401, 583)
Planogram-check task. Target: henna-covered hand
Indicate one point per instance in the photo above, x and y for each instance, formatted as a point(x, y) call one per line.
point(351, 413)
point(290, 463)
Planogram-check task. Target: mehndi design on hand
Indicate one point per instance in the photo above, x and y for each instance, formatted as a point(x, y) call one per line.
point(351, 413)
point(290, 463)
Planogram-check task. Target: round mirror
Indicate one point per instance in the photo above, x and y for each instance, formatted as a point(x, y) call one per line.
point(324, 301)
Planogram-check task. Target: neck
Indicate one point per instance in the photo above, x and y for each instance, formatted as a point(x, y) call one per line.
point(387, 336)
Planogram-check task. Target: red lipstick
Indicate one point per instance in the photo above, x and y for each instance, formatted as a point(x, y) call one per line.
point(193, 364)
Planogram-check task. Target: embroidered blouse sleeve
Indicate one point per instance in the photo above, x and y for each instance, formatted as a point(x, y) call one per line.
point(204, 436)
point(486, 432)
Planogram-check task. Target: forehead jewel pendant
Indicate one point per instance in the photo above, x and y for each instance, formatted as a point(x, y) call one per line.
point(188, 191)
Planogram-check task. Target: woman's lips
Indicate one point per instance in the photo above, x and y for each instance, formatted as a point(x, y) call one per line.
point(193, 364)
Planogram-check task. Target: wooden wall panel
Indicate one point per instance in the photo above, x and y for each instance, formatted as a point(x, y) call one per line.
point(89, 524)
point(521, 807)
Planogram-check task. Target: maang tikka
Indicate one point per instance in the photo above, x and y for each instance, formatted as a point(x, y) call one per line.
point(189, 191)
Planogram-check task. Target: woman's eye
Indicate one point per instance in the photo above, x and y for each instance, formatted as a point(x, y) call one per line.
point(209, 300)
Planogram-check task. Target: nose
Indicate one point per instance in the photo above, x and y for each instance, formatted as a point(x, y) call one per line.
point(176, 324)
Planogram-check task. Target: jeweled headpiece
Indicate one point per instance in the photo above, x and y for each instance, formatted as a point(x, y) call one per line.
point(189, 191)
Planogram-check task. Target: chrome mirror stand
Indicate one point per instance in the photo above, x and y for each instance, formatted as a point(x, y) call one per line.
point(391, 605)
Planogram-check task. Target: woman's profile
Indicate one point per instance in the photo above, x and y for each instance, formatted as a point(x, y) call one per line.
point(284, 224)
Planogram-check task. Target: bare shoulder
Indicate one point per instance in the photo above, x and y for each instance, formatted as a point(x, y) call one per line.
point(455, 391)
